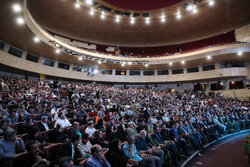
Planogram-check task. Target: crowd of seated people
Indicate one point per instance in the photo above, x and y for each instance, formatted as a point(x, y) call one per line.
point(66, 124)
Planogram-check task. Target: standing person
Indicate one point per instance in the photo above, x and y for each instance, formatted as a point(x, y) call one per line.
point(9, 145)
point(97, 158)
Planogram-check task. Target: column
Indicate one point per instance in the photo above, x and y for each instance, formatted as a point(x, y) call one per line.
point(141, 73)
point(56, 64)
point(113, 71)
point(184, 70)
point(40, 60)
point(127, 72)
point(24, 55)
point(217, 65)
point(71, 67)
point(200, 68)
point(6, 48)
point(155, 72)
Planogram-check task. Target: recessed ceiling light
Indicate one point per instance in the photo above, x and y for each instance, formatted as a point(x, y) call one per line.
point(239, 53)
point(163, 19)
point(36, 39)
point(77, 5)
point(211, 2)
point(146, 65)
point(89, 2)
point(57, 51)
point(132, 21)
point(20, 20)
point(178, 16)
point(91, 12)
point(209, 57)
point(195, 10)
point(117, 19)
point(99, 62)
point(80, 58)
point(170, 63)
point(95, 71)
point(123, 64)
point(182, 62)
point(103, 16)
point(147, 20)
point(16, 8)
point(129, 63)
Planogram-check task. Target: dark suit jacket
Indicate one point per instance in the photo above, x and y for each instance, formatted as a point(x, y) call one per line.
point(66, 150)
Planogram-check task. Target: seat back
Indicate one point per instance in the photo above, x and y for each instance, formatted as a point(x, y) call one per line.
point(17, 158)
point(51, 151)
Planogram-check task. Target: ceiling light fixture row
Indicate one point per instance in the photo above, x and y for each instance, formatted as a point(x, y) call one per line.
point(17, 8)
point(189, 7)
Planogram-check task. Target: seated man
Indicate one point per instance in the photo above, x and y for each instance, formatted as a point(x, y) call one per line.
point(70, 149)
point(97, 158)
point(4, 126)
point(142, 147)
point(33, 158)
point(131, 129)
point(131, 152)
point(85, 146)
point(9, 146)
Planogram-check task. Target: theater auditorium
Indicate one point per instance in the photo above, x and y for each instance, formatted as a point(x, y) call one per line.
point(124, 83)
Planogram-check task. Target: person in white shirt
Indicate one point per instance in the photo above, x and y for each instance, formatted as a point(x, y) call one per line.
point(62, 120)
point(90, 129)
point(85, 146)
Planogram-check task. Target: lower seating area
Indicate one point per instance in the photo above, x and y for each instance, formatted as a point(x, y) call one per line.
point(85, 124)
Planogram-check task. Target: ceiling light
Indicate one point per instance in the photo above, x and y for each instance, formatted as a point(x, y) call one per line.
point(146, 65)
point(91, 12)
point(77, 5)
point(89, 2)
point(170, 63)
point(178, 16)
point(211, 3)
point(182, 62)
point(95, 71)
point(195, 10)
point(189, 7)
point(80, 58)
point(17, 8)
point(57, 51)
point(99, 62)
point(36, 39)
point(117, 19)
point(103, 15)
point(20, 20)
point(123, 64)
point(163, 19)
point(208, 57)
point(129, 63)
point(147, 20)
point(239, 53)
point(132, 21)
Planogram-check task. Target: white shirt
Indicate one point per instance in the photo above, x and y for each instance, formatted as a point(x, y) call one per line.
point(45, 126)
point(63, 122)
point(90, 130)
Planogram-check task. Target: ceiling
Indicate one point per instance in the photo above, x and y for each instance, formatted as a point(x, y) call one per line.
point(22, 37)
point(142, 4)
point(224, 16)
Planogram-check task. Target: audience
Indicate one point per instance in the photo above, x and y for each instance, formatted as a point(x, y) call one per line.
point(102, 114)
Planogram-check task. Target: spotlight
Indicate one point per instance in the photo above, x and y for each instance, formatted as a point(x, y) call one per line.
point(123, 64)
point(36, 39)
point(20, 20)
point(77, 5)
point(170, 63)
point(208, 57)
point(211, 3)
point(239, 53)
point(163, 19)
point(146, 65)
point(129, 63)
point(99, 62)
point(17, 8)
point(80, 58)
point(188, 7)
point(232, 82)
point(117, 19)
point(182, 62)
point(57, 51)
point(221, 83)
point(132, 21)
point(195, 10)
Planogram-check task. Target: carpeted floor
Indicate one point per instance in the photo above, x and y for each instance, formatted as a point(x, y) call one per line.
point(226, 153)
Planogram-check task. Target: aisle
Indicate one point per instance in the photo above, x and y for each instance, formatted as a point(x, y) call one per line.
point(226, 153)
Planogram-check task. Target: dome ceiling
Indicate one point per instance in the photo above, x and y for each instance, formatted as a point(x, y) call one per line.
point(63, 18)
point(142, 4)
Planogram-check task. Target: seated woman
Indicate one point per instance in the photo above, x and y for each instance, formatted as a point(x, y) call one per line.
point(115, 155)
point(111, 133)
point(98, 139)
point(58, 136)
